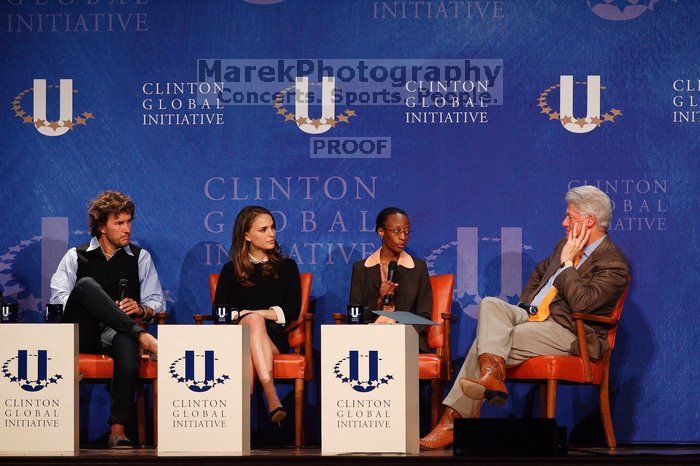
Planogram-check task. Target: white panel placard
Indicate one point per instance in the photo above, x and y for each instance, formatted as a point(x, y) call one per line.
point(369, 394)
point(203, 388)
point(39, 387)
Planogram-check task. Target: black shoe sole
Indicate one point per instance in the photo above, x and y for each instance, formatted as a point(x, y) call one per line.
point(278, 415)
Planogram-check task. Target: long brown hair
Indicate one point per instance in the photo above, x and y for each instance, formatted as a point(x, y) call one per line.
point(239, 254)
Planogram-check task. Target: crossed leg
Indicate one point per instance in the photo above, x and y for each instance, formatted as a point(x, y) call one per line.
point(105, 328)
point(261, 351)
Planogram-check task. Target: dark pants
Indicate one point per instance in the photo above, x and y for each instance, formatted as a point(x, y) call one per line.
point(104, 328)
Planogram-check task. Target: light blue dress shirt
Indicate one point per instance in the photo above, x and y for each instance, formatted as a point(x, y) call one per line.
point(63, 281)
point(587, 251)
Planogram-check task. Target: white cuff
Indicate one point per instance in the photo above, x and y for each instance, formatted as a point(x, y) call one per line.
point(280, 315)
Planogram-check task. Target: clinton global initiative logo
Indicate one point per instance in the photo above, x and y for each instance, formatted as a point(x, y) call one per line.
point(29, 370)
point(476, 256)
point(327, 148)
point(300, 116)
point(620, 10)
point(187, 365)
point(566, 116)
point(348, 371)
point(39, 120)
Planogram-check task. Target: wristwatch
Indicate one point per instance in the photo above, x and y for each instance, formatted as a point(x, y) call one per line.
point(143, 311)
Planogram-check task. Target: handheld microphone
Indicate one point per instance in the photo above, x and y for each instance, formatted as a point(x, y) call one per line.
point(390, 277)
point(123, 283)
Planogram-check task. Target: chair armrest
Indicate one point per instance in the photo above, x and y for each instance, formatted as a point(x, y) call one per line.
point(293, 326)
point(298, 323)
point(583, 348)
point(338, 317)
point(594, 318)
point(447, 320)
point(198, 318)
point(159, 318)
point(308, 347)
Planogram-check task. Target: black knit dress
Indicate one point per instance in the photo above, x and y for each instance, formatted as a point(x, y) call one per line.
point(283, 291)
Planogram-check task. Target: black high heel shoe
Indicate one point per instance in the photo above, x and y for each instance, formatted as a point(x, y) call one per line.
point(277, 415)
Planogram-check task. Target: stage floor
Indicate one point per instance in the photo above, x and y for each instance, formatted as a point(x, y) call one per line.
point(678, 454)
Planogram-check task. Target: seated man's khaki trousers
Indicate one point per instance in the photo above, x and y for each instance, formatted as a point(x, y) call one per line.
point(504, 330)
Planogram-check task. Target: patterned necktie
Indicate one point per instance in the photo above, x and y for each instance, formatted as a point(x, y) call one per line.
point(543, 308)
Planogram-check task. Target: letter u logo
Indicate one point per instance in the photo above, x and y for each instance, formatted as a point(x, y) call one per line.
point(65, 109)
point(208, 371)
point(354, 312)
point(301, 105)
point(41, 370)
point(566, 104)
point(468, 264)
point(354, 364)
point(5, 311)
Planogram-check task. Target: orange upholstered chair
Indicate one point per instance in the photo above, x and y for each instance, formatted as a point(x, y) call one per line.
point(548, 371)
point(100, 367)
point(436, 367)
point(296, 366)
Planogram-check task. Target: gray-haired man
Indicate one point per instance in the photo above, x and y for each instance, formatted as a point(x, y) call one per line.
point(586, 272)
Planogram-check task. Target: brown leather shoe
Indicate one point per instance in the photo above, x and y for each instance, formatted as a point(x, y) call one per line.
point(491, 385)
point(443, 434)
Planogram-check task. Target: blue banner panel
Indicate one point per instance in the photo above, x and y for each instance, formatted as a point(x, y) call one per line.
point(474, 116)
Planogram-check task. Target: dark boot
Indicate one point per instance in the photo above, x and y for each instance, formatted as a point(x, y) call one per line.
point(491, 385)
point(443, 434)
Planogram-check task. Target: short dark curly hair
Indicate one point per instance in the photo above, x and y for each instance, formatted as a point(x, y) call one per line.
point(105, 204)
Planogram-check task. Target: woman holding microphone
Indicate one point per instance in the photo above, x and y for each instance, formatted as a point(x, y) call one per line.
point(390, 279)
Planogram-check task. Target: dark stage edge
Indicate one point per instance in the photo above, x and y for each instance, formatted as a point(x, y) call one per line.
point(677, 454)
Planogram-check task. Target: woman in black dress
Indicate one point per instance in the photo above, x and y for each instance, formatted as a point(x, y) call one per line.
point(265, 287)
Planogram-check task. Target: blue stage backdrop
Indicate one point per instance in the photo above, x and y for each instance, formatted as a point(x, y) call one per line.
point(452, 110)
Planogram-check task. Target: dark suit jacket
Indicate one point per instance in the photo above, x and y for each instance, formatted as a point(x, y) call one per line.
point(593, 288)
point(413, 294)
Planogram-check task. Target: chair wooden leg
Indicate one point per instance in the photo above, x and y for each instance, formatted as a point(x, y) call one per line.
point(435, 401)
point(155, 413)
point(605, 414)
point(543, 399)
point(298, 412)
point(551, 398)
point(141, 412)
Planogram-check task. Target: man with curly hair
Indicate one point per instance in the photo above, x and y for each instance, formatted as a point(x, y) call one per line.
point(103, 285)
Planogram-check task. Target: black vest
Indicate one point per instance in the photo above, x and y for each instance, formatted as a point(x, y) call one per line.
point(107, 273)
